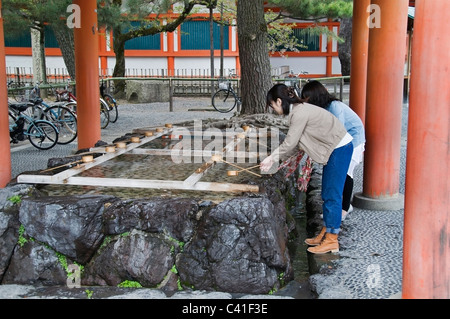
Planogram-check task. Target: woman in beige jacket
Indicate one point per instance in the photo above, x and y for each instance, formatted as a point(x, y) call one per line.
point(324, 138)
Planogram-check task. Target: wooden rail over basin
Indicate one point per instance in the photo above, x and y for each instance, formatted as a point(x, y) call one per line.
point(191, 183)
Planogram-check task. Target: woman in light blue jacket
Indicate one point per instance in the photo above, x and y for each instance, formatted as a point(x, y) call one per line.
point(315, 93)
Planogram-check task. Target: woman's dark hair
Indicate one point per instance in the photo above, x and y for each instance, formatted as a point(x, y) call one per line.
point(286, 94)
point(315, 93)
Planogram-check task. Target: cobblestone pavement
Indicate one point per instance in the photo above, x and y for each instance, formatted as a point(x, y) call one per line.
point(369, 264)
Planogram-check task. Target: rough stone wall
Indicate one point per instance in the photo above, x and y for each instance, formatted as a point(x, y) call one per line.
point(238, 246)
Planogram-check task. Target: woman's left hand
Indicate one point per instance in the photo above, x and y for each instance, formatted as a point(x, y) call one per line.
point(266, 164)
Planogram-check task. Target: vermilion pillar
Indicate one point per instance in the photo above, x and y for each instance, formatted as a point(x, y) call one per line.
point(360, 51)
point(426, 252)
point(385, 69)
point(329, 58)
point(5, 158)
point(87, 72)
point(102, 49)
point(170, 51)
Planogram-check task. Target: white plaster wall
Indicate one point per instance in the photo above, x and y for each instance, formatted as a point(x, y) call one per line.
point(201, 65)
point(336, 69)
point(52, 63)
point(312, 65)
point(137, 66)
point(14, 61)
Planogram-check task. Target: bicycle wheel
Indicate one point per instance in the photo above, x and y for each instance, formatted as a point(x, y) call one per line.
point(72, 106)
point(17, 92)
point(42, 134)
point(64, 120)
point(11, 119)
point(224, 100)
point(104, 114)
point(112, 107)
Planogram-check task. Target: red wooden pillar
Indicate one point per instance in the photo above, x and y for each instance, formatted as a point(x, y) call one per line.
point(329, 58)
point(385, 75)
point(360, 52)
point(170, 57)
point(5, 159)
point(426, 252)
point(102, 50)
point(87, 73)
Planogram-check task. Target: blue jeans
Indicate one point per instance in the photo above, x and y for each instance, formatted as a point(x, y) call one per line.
point(333, 180)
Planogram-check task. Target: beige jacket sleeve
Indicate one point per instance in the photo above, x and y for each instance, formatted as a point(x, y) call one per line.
point(290, 145)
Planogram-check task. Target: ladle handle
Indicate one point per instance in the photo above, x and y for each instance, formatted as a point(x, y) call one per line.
point(241, 168)
point(56, 167)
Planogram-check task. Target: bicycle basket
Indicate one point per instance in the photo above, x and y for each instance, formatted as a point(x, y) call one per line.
point(224, 84)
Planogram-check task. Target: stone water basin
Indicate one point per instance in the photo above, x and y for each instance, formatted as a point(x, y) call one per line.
point(158, 167)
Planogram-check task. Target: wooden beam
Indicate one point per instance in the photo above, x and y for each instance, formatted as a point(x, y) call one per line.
point(140, 183)
point(67, 177)
point(198, 174)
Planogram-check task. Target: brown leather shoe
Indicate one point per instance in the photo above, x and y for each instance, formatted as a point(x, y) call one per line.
point(329, 244)
point(316, 240)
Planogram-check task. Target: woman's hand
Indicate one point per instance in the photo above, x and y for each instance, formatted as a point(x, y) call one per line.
point(266, 164)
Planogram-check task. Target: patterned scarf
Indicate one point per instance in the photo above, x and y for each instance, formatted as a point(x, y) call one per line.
point(305, 173)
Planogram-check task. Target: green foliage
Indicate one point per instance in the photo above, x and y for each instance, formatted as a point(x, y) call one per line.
point(281, 278)
point(20, 15)
point(22, 240)
point(89, 293)
point(174, 269)
point(315, 9)
point(177, 242)
point(105, 242)
point(16, 199)
point(282, 283)
point(129, 284)
point(111, 14)
point(63, 261)
point(280, 34)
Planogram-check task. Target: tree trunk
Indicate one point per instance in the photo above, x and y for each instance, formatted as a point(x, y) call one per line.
point(119, 68)
point(254, 56)
point(345, 49)
point(66, 42)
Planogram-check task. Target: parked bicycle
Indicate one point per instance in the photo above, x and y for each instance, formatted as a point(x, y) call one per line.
point(298, 80)
point(226, 99)
point(16, 90)
point(61, 116)
point(42, 134)
point(70, 100)
point(111, 102)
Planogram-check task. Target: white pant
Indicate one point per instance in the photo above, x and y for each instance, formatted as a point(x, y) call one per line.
point(357, 158)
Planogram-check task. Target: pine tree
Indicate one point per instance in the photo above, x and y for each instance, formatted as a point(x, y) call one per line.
point(21, 15)
point(253, 38)
point(110, 14)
